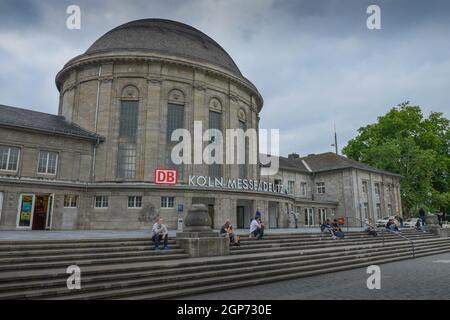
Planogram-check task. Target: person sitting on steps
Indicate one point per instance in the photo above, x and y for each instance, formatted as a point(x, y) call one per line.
point(391, 226)
point(160, 232)
point(257, 228)
point(227, 231)
point(326, 226)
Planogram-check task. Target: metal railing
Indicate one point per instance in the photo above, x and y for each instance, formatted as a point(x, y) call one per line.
point(383, 231)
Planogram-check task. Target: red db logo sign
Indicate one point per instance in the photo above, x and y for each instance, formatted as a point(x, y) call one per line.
point(166, 176)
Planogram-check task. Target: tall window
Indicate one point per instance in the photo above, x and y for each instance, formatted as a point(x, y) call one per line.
point(215, 122)
point(175, 120)
point(126, 166)
point(47, 162)
point(291, 186)
point(378, 206)
point(243, 167)
point(321, 187)
point(303, 189)
point(377, 189)
point(9, 158)
point(364, 186)
point(366, 210)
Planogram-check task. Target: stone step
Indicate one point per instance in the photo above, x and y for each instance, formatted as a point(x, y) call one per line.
point(325, 239)
point(88, 262)
point(130, 267)
point(59, 279)
point(55, 252)
point(326, 236)
point(243, 249)
point(68, 246)
point(159, 290)
point(226, 270)
point(252, 281)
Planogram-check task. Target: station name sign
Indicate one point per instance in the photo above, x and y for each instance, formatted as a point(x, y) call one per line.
point(236, 184)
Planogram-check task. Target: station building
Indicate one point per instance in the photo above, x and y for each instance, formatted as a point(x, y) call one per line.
point(92, 165)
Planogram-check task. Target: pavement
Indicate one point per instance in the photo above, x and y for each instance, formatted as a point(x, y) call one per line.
point(422, 278)
point(109, 234)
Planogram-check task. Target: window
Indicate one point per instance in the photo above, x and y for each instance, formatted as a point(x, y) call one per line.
point(101, 202)
point(378, 206)
point(70, 201)
point(321, 187)
point(167, 202)
point(243, 166)
point(126, 156)
point(9, 158)
point(135, 202)
point(175, 120)
point(366, 210)
point(389, 207)
point(47, 162)
point(322, 215)
point(364, 186)
point(215, 119)
point(291, 187)
point(377, 189)
point(303, 189)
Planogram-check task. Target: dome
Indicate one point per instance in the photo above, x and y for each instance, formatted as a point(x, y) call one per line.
point(165, 37)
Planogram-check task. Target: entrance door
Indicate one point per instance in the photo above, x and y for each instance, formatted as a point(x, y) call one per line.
point(240, 212)
point(211, 214)
point(25, 211)
point(40, 212)
point(309, 217)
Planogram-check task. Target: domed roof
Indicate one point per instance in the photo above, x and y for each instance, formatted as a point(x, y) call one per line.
point(166, 37)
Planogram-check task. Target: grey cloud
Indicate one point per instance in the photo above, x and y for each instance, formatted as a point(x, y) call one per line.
point(314, 62)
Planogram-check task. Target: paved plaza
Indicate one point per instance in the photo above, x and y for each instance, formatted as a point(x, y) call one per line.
point(422, 278)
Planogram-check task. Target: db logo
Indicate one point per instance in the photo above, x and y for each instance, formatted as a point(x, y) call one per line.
point(166, 176)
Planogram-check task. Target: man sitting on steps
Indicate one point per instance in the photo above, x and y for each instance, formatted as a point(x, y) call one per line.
point(159, 232)
point(256, 228)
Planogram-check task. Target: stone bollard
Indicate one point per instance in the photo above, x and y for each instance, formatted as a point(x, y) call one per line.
point(432, 226)
point(198, 239)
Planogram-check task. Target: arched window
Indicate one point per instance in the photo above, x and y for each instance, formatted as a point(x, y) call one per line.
point(126, 156)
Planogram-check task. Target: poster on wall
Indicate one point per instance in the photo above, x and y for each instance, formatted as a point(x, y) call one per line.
point(25, 211)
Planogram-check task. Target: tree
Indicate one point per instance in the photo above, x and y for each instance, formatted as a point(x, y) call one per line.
point(403, 141)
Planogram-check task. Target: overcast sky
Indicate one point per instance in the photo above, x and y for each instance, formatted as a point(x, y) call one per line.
point(315, 62)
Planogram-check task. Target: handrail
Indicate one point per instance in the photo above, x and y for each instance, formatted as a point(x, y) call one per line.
point(383, 230)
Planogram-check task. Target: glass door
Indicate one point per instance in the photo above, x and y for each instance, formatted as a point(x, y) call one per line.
point(309, 217)
point(322, 215)
point(25, 212)
point(48, 222)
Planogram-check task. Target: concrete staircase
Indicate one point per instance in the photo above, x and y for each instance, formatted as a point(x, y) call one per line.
point(130, 269)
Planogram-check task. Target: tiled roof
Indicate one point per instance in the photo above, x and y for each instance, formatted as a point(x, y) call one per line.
point(322, 162)
point(33, 120)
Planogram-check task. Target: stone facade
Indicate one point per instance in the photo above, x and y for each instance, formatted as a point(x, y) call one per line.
point(86, 192)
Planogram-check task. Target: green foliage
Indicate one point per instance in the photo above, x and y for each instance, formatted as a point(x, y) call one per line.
point(403, 141)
